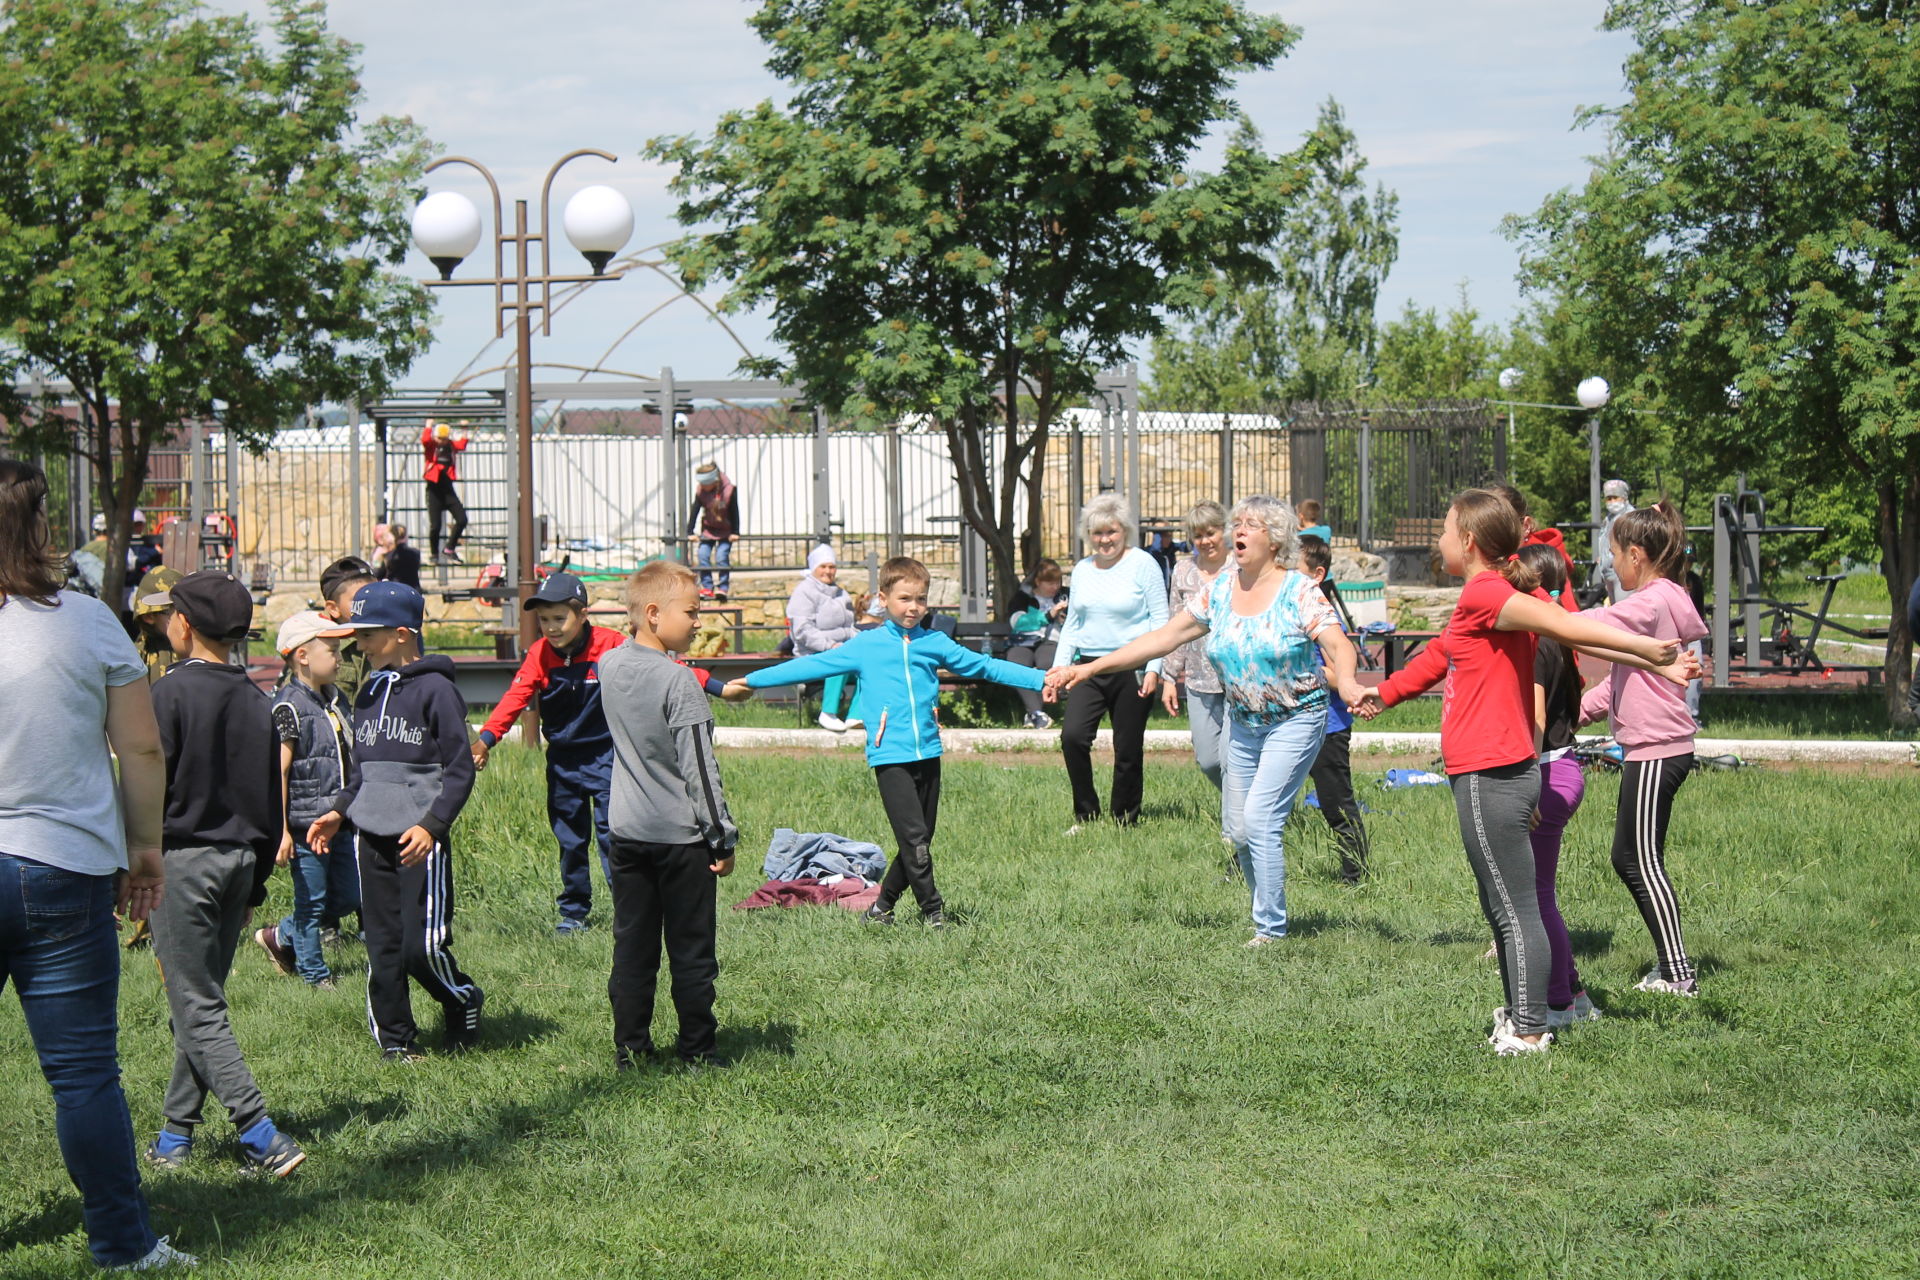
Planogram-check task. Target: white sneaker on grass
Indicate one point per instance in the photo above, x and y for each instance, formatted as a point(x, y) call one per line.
point(1264, 940)
point(1509, 1045)
point(832, 724)
point(1654, 982)
point(1581, 1010)
point(162, 1255)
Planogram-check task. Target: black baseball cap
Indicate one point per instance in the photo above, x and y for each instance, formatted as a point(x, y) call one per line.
point(217, 605)
point(559, 588)
point(342, 570)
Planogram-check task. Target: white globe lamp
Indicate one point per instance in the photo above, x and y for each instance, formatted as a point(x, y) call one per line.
point(1593, 393)
point(599, 222)
point(446, 227)
point(1511, 378)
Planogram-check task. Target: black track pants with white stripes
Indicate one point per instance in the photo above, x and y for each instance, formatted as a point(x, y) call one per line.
point(407, 913)
point(1647, 788)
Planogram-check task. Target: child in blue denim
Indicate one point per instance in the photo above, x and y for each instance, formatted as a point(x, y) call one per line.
point(314, 727)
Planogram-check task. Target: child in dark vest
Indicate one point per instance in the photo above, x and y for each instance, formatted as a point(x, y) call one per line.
point(314, 726)
point(411, 775)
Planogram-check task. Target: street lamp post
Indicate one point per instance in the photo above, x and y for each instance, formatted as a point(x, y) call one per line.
point(446, 227)
point(1593, 394)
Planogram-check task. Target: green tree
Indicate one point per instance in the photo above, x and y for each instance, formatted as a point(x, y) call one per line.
point(192, 222)
point(1424, 355)
point(968, 204)
point(1755, 225)
point(1310, 333)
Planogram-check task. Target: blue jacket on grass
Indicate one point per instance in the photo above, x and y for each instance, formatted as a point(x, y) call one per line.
point(899, 674)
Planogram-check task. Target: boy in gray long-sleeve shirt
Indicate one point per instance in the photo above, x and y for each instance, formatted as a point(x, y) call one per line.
point(671, 831)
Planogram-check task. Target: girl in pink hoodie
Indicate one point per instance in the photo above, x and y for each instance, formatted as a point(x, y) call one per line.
point(1652, 725)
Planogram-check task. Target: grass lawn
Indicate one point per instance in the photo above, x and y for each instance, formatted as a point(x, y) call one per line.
point(1091, 1076)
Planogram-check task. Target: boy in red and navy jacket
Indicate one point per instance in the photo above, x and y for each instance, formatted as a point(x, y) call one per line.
point(563, 668)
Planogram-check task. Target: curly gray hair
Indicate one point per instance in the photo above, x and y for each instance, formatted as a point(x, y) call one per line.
point(1106, 509)
point(1277, 518)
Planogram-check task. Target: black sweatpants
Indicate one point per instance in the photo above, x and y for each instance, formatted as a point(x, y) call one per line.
point(407, 913)
point(1116, 693)
point(1332, 775)
point(663, 892)
point(1647, 789)
point(910, 794)
point(443, 499)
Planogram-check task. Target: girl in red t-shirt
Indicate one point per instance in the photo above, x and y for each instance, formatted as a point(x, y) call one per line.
point(1486, 734)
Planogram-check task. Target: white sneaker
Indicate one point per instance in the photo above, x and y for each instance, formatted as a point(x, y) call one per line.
point(1581, 1010)
point(1262, 940)
point(852, 723)
point(1508, 1045)
point(1654, 982)
point(1502, 1025)
point(1074, 830)
point(832, 724)
point(1039, 720)
point(162, 1255)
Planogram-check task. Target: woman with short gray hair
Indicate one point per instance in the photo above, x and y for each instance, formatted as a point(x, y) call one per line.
point(1118, 596)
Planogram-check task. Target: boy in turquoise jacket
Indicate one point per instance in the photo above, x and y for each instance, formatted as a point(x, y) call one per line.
point(899, 666)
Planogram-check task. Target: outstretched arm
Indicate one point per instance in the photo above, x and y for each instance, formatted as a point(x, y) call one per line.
point(1135, 653)
point(1524, 613)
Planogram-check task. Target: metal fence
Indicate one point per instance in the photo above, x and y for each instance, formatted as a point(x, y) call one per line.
point(1382, 474)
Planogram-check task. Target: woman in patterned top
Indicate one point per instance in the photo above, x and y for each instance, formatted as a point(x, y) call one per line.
point(1262, 623)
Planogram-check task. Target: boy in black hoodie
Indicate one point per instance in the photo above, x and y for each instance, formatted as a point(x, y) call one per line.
point(223, 829)
point(411, 775)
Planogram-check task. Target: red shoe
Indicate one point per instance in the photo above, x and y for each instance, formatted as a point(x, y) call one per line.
point(706, 593)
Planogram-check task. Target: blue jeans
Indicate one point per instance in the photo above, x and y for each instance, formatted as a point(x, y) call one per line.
point(579, 792)
point(1209, 725)
point(1266, 767)
point(710, 552)
point(325, 887)
point(57, 944)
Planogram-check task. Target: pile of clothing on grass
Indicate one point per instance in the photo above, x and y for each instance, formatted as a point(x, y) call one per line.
point(815, 868)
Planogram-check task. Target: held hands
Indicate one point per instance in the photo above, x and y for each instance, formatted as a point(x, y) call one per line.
point(416, 843)
point(1683, 671)
point(480, 752)
point(322, 832)
point(1060, 679)
point(736, 691)
point(1367, 705)
point(1351, 692)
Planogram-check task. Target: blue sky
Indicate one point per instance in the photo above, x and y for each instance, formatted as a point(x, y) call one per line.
point(1465, 108)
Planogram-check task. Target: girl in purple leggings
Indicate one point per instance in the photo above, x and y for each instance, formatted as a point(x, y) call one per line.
point(1556, 709)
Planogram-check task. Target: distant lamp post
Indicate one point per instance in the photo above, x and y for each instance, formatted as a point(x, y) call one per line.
point(1511, 378)
point(1593, 394)
point(446, 228)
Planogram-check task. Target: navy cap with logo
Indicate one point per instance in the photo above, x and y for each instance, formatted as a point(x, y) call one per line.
point(559, 588)
point(217, 605)
point(387, 604)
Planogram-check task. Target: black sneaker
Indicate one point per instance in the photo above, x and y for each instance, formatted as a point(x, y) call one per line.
point(463, 1025)
point(281, 1157)
point(934, 919)
point(877, 914)
point(169, 1151)
point(634, 1059)
point(403, 1055)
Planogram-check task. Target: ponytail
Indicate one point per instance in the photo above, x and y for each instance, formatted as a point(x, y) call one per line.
point(1520, 574)
point(1661, 536)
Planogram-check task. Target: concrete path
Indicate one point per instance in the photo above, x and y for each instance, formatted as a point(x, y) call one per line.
point(986, 741)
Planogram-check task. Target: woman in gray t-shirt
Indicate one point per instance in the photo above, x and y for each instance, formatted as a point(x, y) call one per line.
point(73, 848)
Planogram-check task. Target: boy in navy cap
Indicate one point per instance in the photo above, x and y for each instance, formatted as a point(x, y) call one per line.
point(410, 777)
point(222, 831)
point(563, 669)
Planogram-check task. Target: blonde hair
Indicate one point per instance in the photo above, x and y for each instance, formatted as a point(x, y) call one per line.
point(1106, 509)
point(657, 583)
point(1277, 518)
point(1205, 515)
point(1490, 520)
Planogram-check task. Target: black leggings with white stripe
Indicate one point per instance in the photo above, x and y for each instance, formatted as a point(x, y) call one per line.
point(1647, 789)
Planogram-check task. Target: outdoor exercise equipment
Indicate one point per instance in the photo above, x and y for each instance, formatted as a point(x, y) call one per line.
point(1753, 632)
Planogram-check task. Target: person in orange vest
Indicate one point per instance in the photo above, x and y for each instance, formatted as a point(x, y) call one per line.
point(442, 449)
